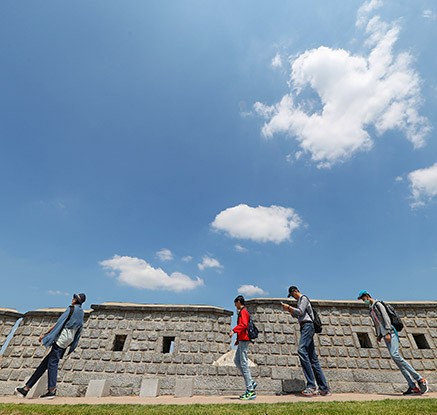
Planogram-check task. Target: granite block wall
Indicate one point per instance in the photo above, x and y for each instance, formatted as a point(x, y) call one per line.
point(125, 343)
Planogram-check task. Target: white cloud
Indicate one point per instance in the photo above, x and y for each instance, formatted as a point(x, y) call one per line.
point(240, 248)
point(423, 183)
point(429, 14)
point(137, 273)
point(251, 290)
point(260, 224)
point(379, 90)
point(165, 254)
point(277, 61)
point(57, 292)
point(187, 258)
point(209, 262)
point(365, 10)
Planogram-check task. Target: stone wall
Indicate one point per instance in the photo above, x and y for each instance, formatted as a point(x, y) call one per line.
point(125, 343)
point(8, 318)
point(349, 353)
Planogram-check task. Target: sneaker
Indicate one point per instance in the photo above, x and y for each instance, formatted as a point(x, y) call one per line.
point(49, 395)
point(248, 395)
point(423, 385)
point(21, 391)
point(326, 392)
point(412, 391)
point(309, 392)
point(253, 386)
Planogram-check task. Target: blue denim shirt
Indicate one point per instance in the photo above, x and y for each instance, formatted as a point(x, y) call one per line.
point(75, 322)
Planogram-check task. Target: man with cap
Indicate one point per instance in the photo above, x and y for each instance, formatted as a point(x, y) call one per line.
point(64, 333)
point(307, 352)
point(385, 330)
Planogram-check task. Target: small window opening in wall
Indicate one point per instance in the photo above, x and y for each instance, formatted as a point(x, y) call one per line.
point(421, 341)
point(168, 345)
point(119, 341)
point(364, 340)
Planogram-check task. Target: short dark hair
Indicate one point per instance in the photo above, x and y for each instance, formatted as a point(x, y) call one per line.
point(240, 299)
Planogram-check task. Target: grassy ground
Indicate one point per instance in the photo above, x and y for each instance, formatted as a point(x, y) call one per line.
point(387, 407)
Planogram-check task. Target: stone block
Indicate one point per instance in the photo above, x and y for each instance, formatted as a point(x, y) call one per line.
point(293, 385)
point(97, 388)
point(149, 388)
point(184, 387)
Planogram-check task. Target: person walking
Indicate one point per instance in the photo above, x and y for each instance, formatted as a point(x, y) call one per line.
point(385, 330)
point(241, 360)
point(307, 352)
point(64, 333)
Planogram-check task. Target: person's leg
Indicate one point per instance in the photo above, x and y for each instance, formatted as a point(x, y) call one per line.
point(317, 369)
point(39, 371)
point(405, 368)
point(237, 358)
point(244, 345)
point(306, 337)
point(52, 366)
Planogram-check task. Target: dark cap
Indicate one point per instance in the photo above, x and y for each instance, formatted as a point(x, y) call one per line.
point(80, 298)
point(291, 289)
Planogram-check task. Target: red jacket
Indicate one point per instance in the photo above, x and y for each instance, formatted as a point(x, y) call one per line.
point(242, 325)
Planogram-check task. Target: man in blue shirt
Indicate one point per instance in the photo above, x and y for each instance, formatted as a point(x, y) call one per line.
point(64, 333)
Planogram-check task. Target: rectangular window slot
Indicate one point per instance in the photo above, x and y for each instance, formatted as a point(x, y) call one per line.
point(364, 340)
point(119, 341)
point(168, 344)
point(421, 341)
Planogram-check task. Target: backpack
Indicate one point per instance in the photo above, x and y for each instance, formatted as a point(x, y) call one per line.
point(252, 330)
point(318, 326)
point(395, 320)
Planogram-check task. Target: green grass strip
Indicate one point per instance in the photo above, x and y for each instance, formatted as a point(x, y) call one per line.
point(386, 407)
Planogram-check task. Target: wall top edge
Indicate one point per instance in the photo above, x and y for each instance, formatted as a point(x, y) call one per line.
point(160, 307)
point(50, 312)
point(10, 312)
point(342, 303)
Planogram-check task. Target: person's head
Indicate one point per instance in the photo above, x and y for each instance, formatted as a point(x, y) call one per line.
point(294, 292)
point(78, 299)
point(365, 296)
point(239, 302)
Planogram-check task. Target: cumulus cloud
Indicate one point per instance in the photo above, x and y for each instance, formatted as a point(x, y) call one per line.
point(423, 183)
point(137, 273)
point(251, 290)
point(277, 61)
point(240, 248)
point(57, 292)
point(429, 14)
point(378, 89)
point(187, 258)
point(209, 262)
point(260, 224)
point(165, 254)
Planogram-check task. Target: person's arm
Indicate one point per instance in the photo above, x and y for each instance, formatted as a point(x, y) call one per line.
point(385, 323)
point(45, 334)
point(301, 308)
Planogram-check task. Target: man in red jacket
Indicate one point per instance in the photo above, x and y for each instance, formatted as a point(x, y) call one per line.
point(242, 342)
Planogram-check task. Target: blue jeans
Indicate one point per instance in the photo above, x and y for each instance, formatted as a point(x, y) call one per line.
point(242, 362)
point(406, 369)
point(309, 360)
point(49, 363)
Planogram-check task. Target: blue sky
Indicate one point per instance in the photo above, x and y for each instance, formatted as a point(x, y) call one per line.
point(185, 152)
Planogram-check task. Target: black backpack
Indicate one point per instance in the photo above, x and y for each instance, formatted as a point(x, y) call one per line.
point(395, 320)
point(252, 330)
point(318, 326)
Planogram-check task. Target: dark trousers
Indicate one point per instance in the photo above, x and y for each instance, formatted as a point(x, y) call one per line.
point(49, 363)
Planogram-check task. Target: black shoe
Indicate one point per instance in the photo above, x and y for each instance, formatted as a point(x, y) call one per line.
point(412, 391)
point(423, 385)
point(23, 392)
point(49, 395)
